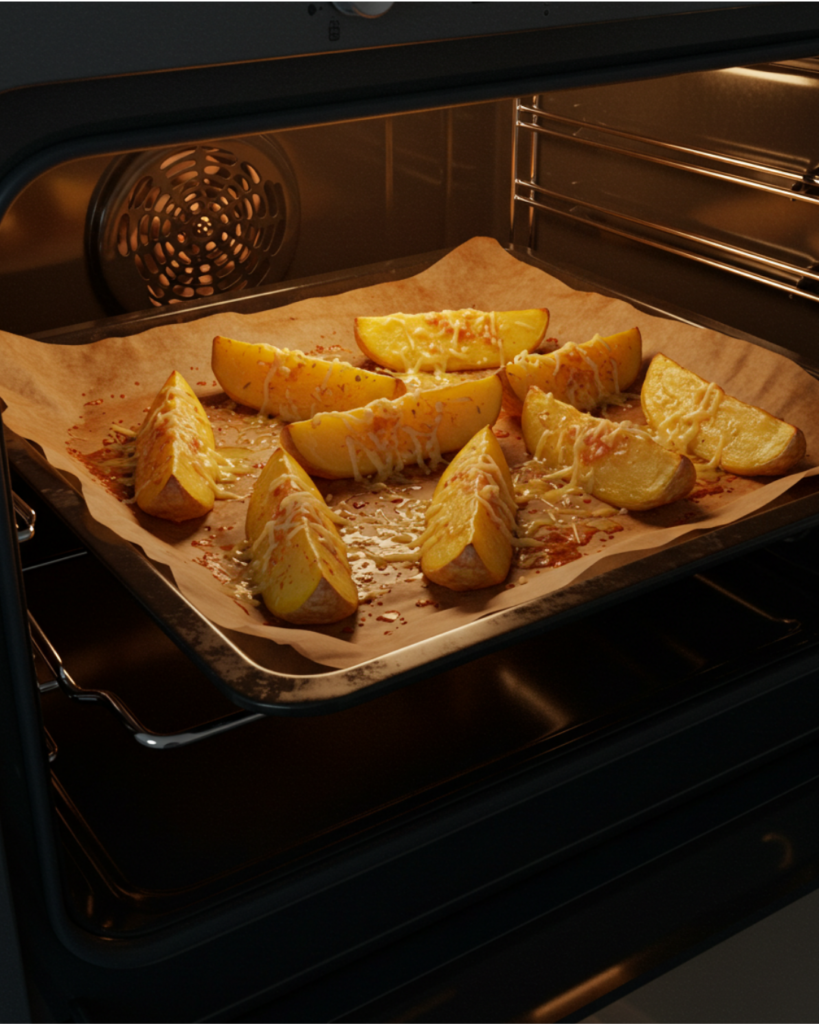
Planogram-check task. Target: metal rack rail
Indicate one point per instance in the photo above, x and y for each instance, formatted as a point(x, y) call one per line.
point(59, 678)
point(146, 737)
point(530, 196)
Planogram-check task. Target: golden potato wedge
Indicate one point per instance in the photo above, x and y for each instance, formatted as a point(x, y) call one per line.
point(176, 464)
point(385, 436)
point(292, 385)
point(450, 340)
point(471, 519)
point(690, 414)
point(615, 462)
point(581, 375)
point(298, 559)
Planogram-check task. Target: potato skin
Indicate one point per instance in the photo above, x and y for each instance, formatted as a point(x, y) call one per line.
point(299, 559)
point(292, 385)
point(749, 440)
point(793, 453)
point(450, 340)
point(175, 455)
point(385, 436)
point(624, 469)
point(580, 375)
point(466, 545)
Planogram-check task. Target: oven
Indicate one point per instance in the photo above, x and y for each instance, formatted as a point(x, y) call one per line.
point(520, 817)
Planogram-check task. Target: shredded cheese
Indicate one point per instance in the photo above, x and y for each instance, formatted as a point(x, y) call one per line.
point(298, 513)
point(679, 430)
point(478, 475)
point(445, 337)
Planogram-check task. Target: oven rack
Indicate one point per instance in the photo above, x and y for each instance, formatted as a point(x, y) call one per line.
point(24, 511)
point(59, 678)
point(532, 196)
point(146, 737)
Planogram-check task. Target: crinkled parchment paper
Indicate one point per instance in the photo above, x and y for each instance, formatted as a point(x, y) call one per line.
point(67, 398)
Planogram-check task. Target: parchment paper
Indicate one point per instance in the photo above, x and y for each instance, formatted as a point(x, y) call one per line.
point(66, 399)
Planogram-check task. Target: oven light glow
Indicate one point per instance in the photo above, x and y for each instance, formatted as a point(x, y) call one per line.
point(774, 76)
point(579, 996)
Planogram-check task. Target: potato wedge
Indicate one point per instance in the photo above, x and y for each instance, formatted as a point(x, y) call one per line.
point(690, 414)
point(298, 559)
point(450, 340)
point(615, 462)
point(292, 385)
point(471, 519)
point(581, 375)
point(385, 436)
point(176, 464)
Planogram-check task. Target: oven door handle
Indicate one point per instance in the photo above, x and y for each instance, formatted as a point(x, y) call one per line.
point(143, 735)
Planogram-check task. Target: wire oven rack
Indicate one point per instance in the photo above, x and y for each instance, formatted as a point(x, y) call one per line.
point(532, 195)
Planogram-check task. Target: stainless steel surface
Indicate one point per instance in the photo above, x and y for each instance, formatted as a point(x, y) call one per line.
point(749, 275)
point(28, 515)
point(620, 150)
point(176, 224)
point(144, 736)
point(807, 178)
point(370, 191)
point(652, 186)
point(732, 250)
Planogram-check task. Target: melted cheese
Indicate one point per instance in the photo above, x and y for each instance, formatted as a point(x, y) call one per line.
point(481, 475)
point(679, 430)
point(445, 334)
point(390, 443)
point(382, 533)
point(178, 416)
point(298, 511)
point(579, 446)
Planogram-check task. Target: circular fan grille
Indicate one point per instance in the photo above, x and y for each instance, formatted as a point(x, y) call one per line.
point(171, 226)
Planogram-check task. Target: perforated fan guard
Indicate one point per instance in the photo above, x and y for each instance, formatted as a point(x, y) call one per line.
point(167, 226)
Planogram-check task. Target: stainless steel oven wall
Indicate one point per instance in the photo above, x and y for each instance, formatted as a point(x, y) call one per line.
point(695, 192)
point(369, 191)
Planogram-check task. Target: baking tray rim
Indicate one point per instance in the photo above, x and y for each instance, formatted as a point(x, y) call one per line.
point(317, 689)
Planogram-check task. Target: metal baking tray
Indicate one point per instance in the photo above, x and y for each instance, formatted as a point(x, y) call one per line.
point(263, 678)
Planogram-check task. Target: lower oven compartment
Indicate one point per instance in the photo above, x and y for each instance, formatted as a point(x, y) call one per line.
point(548, 741)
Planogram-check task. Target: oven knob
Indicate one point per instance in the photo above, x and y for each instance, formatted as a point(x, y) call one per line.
point(361, 10)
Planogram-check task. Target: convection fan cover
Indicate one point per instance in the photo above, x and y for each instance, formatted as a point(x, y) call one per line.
point(168, 226)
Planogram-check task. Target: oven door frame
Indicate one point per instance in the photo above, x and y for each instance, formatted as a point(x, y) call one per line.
point(106, 116)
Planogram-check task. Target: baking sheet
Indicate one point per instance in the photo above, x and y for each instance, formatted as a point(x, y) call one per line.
point(67, 398)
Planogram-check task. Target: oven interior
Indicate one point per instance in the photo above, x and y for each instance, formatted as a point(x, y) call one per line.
point(693, 195)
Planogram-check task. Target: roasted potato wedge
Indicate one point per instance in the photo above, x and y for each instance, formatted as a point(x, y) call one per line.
point(690, 414)
point(292, 385)
point(613, 461)
point(471, 519)
point(298, 559)
point(384, 436)
point(450, 340)
point(177, 472)
point(581, 375)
